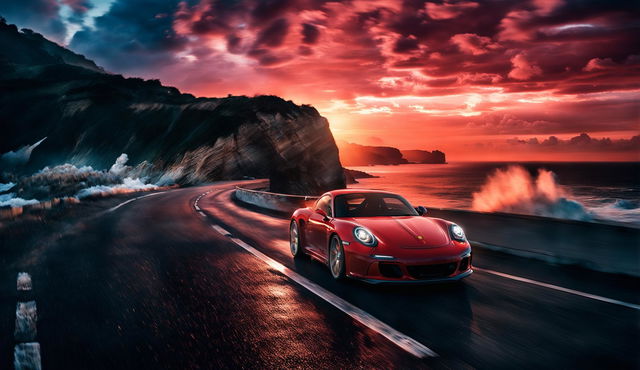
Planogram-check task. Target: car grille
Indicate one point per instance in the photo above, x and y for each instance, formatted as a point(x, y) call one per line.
point(390, 270)
point(432, 271)
point(464, 264)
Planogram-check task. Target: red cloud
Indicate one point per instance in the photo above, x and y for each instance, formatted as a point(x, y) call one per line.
point(448, 10)
point(597, 64)
point(548, 66)
point(473, 44)
point(523, 69)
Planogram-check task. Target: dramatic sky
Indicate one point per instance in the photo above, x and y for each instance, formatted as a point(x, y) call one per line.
point(480, 80)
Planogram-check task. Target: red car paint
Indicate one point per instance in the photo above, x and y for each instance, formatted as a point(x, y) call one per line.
point(411, 248)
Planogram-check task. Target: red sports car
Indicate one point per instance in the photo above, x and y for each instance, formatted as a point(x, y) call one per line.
point(379, 237)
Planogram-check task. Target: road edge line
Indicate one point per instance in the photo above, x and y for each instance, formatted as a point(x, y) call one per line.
point(559, 288)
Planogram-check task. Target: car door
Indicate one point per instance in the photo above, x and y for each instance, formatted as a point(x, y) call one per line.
point(319, 226)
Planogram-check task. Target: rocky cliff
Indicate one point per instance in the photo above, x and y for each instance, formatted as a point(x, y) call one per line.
point(88, 117)
point(424, 156)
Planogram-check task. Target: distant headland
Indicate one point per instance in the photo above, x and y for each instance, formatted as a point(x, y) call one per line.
point(352, 154)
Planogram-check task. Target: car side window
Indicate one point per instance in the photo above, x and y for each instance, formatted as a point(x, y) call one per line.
point(325, 204)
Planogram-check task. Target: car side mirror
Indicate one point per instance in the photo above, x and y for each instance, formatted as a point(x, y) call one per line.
point(421, 210)
point(322, 213)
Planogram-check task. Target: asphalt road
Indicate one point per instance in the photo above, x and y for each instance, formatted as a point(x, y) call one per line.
point(152, 285)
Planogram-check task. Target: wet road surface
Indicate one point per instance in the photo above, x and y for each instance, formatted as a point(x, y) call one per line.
point(152, 285)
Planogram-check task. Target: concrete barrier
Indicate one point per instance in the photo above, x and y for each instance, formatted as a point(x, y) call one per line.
point(284, 204)
point(600, 247)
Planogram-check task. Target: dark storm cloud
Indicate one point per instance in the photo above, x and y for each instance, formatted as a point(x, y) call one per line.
point(132, 36)
point(234, 43)
point(39, 15)
point(212, 16)
point(310, 34)
point(266, 10)
point(561, 46)
point(274, 34)
point(406, 44)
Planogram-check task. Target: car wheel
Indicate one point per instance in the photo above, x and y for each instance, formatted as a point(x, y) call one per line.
point(336, 258)
point(294, 240)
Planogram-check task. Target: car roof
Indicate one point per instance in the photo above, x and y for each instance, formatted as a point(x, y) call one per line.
point(333, 193)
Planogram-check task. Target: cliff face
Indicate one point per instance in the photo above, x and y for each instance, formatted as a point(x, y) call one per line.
point(90, 117)
point(424, 156)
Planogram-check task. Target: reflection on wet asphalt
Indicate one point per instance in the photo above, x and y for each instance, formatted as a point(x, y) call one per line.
point(152, 285)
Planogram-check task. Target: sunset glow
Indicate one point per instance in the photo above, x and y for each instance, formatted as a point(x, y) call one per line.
point(474, 79)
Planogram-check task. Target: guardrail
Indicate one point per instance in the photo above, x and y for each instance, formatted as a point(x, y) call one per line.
point(600, 247)
point(281, 203)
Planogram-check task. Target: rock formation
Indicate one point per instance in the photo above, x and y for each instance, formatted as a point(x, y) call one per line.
point(90, 117)
point(424, 156)
point(352, 176)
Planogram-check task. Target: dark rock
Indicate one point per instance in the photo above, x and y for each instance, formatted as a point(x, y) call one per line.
point(90, 117)
point(352, 175)
point(424, 156)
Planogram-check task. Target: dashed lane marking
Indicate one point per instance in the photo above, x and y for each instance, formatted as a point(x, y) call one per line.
point(26, 353)
point(26, 317)
point(24, 281)
point(131, 200)
point(26, 356)
point(220, 230)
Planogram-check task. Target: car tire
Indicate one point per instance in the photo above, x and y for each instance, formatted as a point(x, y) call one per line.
point(295, 240)
point(336, 260)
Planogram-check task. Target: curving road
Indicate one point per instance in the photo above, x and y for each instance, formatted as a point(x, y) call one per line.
point(190, 279)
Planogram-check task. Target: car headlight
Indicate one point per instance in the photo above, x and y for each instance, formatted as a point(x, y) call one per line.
point(365, 236)
point(457, 233)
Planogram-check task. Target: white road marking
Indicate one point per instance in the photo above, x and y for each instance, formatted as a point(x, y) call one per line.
point(26, 356)
point(559, 288)
point(131, 200)
point(202, 214)
point(26, 317)
point(196, 207)
point(24, 281)
point(220, 230)
point(406, 343)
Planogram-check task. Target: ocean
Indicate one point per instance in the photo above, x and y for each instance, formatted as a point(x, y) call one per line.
point(592, 191)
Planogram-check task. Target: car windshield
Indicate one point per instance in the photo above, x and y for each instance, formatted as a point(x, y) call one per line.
point(372, 205)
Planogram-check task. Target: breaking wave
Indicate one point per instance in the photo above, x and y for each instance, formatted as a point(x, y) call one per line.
point(10, 200)
point(70, 181)
point(128, 185)
point(514, 190)
point(7, 186)
point(621, 210)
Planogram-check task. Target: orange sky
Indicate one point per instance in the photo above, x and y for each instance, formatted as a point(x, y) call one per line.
point(479, 80)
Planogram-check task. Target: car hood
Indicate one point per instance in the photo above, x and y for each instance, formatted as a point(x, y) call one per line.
point(406, 231)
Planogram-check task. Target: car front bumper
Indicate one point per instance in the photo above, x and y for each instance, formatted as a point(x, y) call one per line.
point(448, 279)
point(379, 269)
